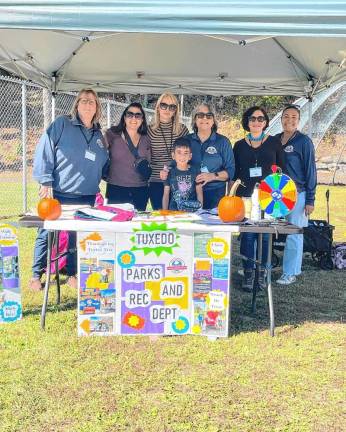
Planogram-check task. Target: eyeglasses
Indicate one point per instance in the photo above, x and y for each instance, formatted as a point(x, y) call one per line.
point(170, 107)
point(202, 115)
point(137, 115)
point(260, 119)
point(87, 101)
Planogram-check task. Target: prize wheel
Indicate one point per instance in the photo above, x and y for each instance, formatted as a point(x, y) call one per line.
point(277, 194)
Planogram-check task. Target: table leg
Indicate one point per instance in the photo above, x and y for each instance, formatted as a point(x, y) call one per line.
point(57, 277)
point(46, 287)
point(269, 281)
point(257, 272)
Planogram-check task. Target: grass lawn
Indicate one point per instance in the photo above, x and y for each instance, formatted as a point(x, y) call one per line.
point(54, 381)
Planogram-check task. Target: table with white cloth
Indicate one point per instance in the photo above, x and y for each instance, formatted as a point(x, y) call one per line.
point(155, 276)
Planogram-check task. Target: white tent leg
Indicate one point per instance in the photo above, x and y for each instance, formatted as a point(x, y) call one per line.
point(24, 155)
point(310, 119)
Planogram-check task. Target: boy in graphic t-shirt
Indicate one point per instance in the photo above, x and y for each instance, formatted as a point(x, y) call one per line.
point(181, 181)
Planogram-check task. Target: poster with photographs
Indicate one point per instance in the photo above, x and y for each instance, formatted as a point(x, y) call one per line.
point(211, 284)
point(97, 289)
point(10, 296)
point(154, 279)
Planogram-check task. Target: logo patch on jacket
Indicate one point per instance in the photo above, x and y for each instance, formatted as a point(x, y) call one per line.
point(211, 150)
point(99, 143)
point(289, 149)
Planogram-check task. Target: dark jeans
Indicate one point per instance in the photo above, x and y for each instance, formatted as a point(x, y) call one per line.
point(156, 194)
point(40, 251)
point(211, 197)
point(138, 196)
point(249, 248)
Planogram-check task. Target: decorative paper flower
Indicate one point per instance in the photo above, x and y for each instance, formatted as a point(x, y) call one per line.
point(126, 259)
point(181, 325)
point(134, 321)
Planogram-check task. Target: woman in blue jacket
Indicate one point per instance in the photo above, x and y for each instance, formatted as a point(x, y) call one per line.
point(300, 162)
point(69, 163)
point(211, 152)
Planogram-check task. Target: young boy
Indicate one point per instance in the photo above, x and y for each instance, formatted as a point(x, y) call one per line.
point(181, 181)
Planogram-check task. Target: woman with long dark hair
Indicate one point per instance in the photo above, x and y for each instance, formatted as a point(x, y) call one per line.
point(127, 142)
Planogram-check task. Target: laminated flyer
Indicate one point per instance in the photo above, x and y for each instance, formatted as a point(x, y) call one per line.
point(153, 281)
point(10, 297)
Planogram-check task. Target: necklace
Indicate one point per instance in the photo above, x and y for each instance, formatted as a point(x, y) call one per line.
point(170, 146)
point(259, 138)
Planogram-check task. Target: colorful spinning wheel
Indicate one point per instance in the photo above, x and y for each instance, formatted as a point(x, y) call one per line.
point(277, 194)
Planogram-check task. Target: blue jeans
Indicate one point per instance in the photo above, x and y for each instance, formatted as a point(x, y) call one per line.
point(293, 254)
point(40, 250)
point(138, 196)
point(211, 197)
point(249, 248)
point(156, 194)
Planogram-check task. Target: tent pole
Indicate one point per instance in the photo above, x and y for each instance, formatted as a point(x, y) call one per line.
point(310, 118)
point(24, 155)
point(108, 114)
point(182, 105)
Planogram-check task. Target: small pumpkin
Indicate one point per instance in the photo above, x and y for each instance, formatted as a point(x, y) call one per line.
point(231, 208)
point(49, 208)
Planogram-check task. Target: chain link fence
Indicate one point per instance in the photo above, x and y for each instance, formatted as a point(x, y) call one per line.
point(26, 110)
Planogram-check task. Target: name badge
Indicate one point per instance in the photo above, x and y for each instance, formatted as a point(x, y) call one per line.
point(90, 155)
point(256, 172)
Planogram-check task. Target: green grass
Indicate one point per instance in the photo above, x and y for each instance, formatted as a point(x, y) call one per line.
point(54, 381)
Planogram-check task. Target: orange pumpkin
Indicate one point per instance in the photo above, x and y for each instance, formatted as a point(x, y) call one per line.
point(231, 208)
point(49, 209)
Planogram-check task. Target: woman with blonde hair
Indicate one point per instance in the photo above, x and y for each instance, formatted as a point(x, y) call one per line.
point(165, 129)
point(70, 160)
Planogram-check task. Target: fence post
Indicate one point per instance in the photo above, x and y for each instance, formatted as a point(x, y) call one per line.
point(108, 114)
point(24, 149)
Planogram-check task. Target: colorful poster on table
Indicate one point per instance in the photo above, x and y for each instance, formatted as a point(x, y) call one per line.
point(154, 279)
point(10, 297)
point(97, 289)
point(211, 284)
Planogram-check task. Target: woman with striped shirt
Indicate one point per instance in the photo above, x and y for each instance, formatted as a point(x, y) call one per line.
point(165, 129)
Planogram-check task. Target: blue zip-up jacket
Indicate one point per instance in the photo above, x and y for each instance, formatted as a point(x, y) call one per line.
point(60, 157)
point(301, 165)
point(215, 154)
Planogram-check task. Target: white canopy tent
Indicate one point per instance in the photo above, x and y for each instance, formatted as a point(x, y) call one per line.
point(197, 47)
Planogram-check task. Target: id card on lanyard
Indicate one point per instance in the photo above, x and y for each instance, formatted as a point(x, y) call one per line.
point(256, 171)
point(89, 154)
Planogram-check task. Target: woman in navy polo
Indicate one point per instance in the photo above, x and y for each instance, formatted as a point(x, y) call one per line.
point(213, 153)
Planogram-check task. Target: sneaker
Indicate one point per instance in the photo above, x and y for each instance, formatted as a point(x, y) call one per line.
point(248, 280)
point(72, 282)
point(286, 279)
point(35, 284)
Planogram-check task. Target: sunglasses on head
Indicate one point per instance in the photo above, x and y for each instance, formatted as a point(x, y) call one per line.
point(202, 115)
point(137, 115)
point(170, 107)
point(260, 119)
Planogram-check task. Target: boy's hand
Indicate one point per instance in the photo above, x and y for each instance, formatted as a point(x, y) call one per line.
point(163, 174)
point(45, 192)
point(309, 209)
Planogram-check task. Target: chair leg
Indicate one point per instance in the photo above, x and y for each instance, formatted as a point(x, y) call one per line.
point(46, 287)
point(57, 276)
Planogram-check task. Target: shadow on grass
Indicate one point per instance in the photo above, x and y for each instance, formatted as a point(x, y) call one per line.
point(69, 304)
point(317, 296)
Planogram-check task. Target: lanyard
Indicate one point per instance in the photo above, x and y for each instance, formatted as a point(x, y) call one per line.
point(168, 149)
point(88, 141)
point(256, 150)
